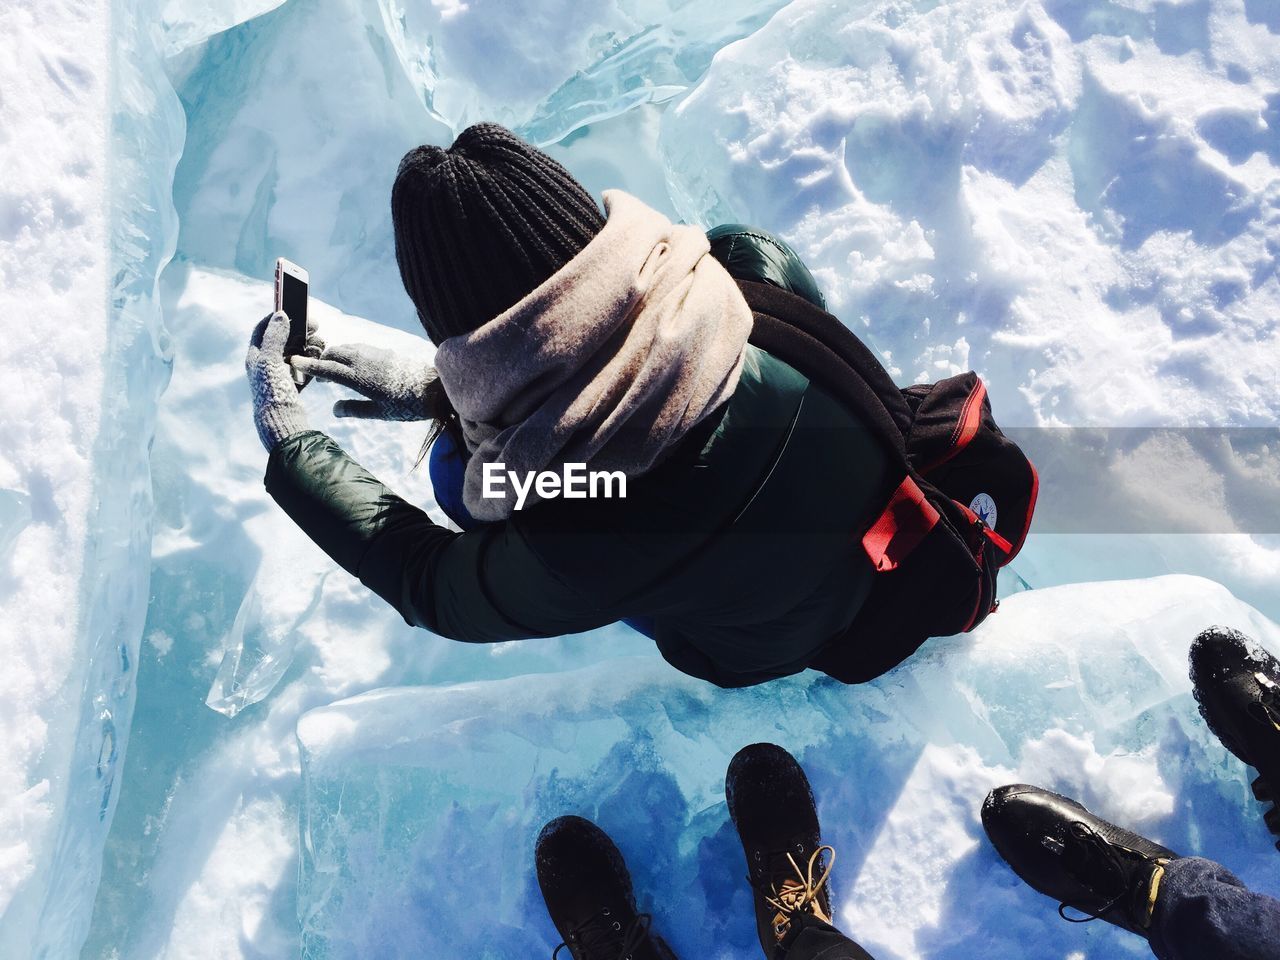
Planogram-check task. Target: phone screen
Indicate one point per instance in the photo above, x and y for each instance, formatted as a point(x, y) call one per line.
point(293, 301)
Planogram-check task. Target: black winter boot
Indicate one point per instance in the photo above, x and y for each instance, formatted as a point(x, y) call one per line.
point(787, 865)
point(587, 890)
point(1237, 685)
point(1062, 850)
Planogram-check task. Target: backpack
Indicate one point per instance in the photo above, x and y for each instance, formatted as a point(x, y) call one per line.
point(964, 494)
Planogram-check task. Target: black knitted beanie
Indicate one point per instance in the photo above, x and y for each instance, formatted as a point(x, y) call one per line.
point(480, 225)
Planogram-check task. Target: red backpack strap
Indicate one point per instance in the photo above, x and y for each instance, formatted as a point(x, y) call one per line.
point(905, 522)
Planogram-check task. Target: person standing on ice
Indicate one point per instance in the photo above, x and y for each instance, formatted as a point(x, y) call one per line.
point(618, 342)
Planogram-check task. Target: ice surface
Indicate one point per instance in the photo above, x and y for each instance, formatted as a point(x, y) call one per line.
point(186, 24)
point(1076, 198)
point(52, 272)
point(260, 646)
point(15, 514)
point(372, 80)
point(585, 61)
point(81, 379)
point(417, 799)
point(255, 183)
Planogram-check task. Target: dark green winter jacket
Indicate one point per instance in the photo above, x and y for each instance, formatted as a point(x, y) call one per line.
point(741, 551)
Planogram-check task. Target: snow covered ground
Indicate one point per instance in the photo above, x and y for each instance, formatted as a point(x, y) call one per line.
point(80, 389)
point(1078, 198)
point(52, 237)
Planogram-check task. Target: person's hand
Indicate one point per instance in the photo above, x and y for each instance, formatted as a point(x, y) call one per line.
point(314, 347)
point(394, 385)
point(277, 411)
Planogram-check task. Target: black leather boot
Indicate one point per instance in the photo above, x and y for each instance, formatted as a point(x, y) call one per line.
point(1237, 685)
point(1065, 852)
point(787, 864)
point(588, 893)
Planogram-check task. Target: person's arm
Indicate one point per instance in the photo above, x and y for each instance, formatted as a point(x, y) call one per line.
point(483, 586)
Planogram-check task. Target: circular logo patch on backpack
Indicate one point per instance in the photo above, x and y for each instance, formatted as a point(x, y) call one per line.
point(985, 508)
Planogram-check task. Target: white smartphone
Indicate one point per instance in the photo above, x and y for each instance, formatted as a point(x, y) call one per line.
point(291, 297)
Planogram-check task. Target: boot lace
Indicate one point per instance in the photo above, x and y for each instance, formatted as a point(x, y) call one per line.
point(799, 888)
point(603, 936)
point(1090, 857)
point(1266, 709)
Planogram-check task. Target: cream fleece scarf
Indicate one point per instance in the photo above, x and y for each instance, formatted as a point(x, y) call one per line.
point(610, 362)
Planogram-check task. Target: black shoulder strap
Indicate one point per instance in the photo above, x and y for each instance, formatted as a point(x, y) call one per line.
point(844, 343)
point(824, 350)
point(831, 355)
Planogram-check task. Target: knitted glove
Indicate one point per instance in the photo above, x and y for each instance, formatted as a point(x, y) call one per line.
point(277, 411)
point(395, 385)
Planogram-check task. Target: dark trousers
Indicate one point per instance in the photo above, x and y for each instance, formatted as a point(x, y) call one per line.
point(811, 939)
point(1203, 910)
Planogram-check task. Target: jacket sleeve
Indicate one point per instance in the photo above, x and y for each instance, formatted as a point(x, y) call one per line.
point(483, 586)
